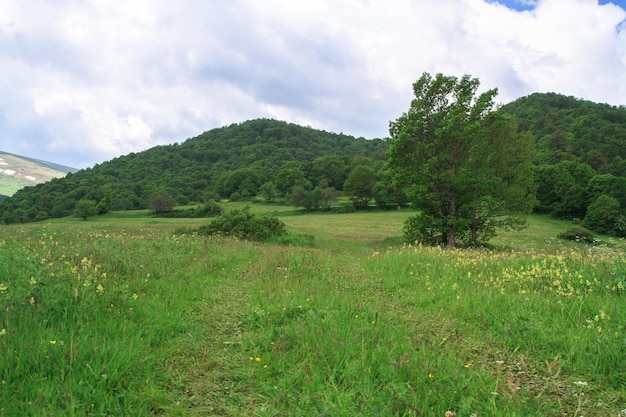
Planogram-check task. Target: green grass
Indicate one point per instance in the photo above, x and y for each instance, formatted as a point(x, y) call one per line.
point(117, 316)
point(10, 184)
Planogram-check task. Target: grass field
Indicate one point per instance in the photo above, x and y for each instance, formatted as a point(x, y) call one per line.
point(118, 316)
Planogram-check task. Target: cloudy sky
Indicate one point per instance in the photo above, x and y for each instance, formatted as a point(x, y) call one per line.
point(84, 81)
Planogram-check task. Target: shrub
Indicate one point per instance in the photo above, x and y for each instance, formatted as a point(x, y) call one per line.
point(602, 215)
point(425, 229)
point(578, 234)
point(245, 225)
point(208, 209)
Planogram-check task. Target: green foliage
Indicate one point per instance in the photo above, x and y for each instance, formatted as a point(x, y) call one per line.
point(562, 188)
point(462, 164)
point(209, 209)
point(578, 234)
point(235, 159)
point(426, 230)
point(607, 184)
point(331, 170)
point(387, 194)
point(105, 200)
point(360, 185)
point(571, 129)
point(245, 225)
point(161, 202)
point(85, 208)
point(318, 198)
point(245, 182)
point(580, 151)
point(605, 215)
point(289, 176)
point(268, 191)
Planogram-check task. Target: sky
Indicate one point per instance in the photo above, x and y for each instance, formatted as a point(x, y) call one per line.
point(85, 81)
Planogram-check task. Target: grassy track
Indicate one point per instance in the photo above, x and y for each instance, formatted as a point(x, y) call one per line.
point(116, 316)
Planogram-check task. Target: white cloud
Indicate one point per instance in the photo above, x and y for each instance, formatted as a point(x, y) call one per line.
point(88, 81)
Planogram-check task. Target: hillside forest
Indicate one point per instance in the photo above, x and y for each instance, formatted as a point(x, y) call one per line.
point(579, 168)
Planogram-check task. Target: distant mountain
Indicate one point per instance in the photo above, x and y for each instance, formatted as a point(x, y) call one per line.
point(18, 171)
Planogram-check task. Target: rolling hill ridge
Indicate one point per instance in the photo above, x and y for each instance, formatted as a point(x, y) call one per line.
point(580, 156)
point(18, 171)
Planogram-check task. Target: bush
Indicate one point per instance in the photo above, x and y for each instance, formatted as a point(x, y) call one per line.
point(245, 225)
point(425, 229)
point(603, 216)
point(209, 209)
point(578, 234)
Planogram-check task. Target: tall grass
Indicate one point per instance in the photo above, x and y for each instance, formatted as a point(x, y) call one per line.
point(121, 317)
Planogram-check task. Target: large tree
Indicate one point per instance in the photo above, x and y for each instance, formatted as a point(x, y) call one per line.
point(462, 164)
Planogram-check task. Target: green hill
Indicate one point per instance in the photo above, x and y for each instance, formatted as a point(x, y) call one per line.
point(580, 158)
point(570, 129)
point(227, 162)
point(17, 172)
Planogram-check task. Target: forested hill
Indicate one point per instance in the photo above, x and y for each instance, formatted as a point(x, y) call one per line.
point(236, 159)
point(580, 161)
point(580, 158)
point(570, 129)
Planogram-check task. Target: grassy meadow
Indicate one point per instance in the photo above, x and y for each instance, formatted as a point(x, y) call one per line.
point(120, 316)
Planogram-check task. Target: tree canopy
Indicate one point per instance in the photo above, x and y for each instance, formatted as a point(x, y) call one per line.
point(579, 156)
point(235, 160)
point(463, 165)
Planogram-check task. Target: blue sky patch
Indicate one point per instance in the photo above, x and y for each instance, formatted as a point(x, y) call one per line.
point(522, 5)
point(519, 5)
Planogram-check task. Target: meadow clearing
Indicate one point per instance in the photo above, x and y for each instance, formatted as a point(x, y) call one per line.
point(120, 316)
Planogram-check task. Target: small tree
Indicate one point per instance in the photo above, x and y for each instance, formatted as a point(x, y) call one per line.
point(360, 185)
point(268, 191)
point(328, 197)
point(161, 202)
point(85, 208)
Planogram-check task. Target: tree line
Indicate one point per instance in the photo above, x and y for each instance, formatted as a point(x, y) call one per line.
point(468, 165)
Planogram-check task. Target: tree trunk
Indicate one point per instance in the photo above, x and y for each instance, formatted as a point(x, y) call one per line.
point(452, 220)
point(451, 237)
point(474, 227)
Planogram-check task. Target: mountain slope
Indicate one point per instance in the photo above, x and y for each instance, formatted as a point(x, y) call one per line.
point(18, 171)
